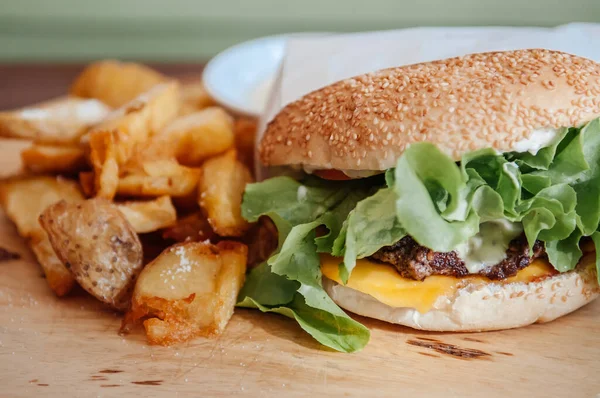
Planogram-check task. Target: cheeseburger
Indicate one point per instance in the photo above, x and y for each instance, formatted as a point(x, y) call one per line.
point(455, 195)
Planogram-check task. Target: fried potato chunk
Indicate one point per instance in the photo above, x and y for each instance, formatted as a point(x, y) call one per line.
point(193, 227)
point(114, 141)
point(144, 115)
point(199, 135)
point(245, 137)
point(222, 185)
point(194, 97)
point(46, 158)
point(59, 278)
point(86, 180)
point(115, 83)
point(189, 290)
point(62, 120)
point(149, 215)
point(103, 157)
point(23, 200)
point(157, 178)
point(95, 241)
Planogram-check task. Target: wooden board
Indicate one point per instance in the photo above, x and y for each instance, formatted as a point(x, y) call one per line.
point(70, 347)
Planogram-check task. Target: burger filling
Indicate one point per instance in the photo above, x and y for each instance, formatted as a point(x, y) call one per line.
point(430, 221)
point(417, 262)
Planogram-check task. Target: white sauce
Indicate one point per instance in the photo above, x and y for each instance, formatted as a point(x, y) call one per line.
point(488, 246)
point(511, 169)
point(537, 140)
point(301, 193)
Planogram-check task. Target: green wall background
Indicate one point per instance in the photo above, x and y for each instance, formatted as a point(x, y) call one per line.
point(188, 30)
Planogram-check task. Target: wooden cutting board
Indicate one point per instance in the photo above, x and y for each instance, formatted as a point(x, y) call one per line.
point(70, 347)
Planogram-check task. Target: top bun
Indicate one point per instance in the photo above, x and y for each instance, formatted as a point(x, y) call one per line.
point(460, 104)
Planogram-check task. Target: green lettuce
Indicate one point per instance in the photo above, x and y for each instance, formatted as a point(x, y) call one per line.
point(370, 226)
point(554, 194)
point(297, 209)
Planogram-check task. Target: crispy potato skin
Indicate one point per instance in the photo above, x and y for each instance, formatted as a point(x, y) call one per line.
point(95, 241)
point(189, 290)
point(23, 200)
point(221, 188)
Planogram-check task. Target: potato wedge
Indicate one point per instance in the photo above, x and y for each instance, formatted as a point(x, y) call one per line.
point(62, 120)
point(191, 228)
point(45, 158)
point(189, 290)
point(221, 188)
point(103, 157)
point(199, 135)
point(23, 200)
point(149, 215)
point(245, 137)
point(158, 178)
point(58, 276)
point(115, 83)
point(95, 241)
point(194, 97)
point(145, 115)
point(86, 180)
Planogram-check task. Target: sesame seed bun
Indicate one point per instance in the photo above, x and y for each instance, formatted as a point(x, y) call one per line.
point(477, 307)
point(460, 104)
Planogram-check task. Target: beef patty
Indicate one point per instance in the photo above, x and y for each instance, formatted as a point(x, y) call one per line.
point(418, 262)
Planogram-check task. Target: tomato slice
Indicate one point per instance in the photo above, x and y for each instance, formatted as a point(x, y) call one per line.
point(334, 175)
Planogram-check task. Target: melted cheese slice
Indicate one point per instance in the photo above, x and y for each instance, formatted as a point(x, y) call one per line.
point(385, 284)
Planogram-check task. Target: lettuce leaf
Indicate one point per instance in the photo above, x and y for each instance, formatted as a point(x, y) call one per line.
point(421, 165)
point(370, 226)
point(290, 282)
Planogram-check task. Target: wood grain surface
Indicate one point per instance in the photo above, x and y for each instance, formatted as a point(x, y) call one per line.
point(54, 347)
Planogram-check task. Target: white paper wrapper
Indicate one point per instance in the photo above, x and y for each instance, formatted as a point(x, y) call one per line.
point(313, 62)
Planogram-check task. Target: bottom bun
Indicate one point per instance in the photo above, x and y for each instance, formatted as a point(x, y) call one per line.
point(479, 307)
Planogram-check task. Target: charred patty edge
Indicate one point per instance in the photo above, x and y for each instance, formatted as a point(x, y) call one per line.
point(417, 262)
